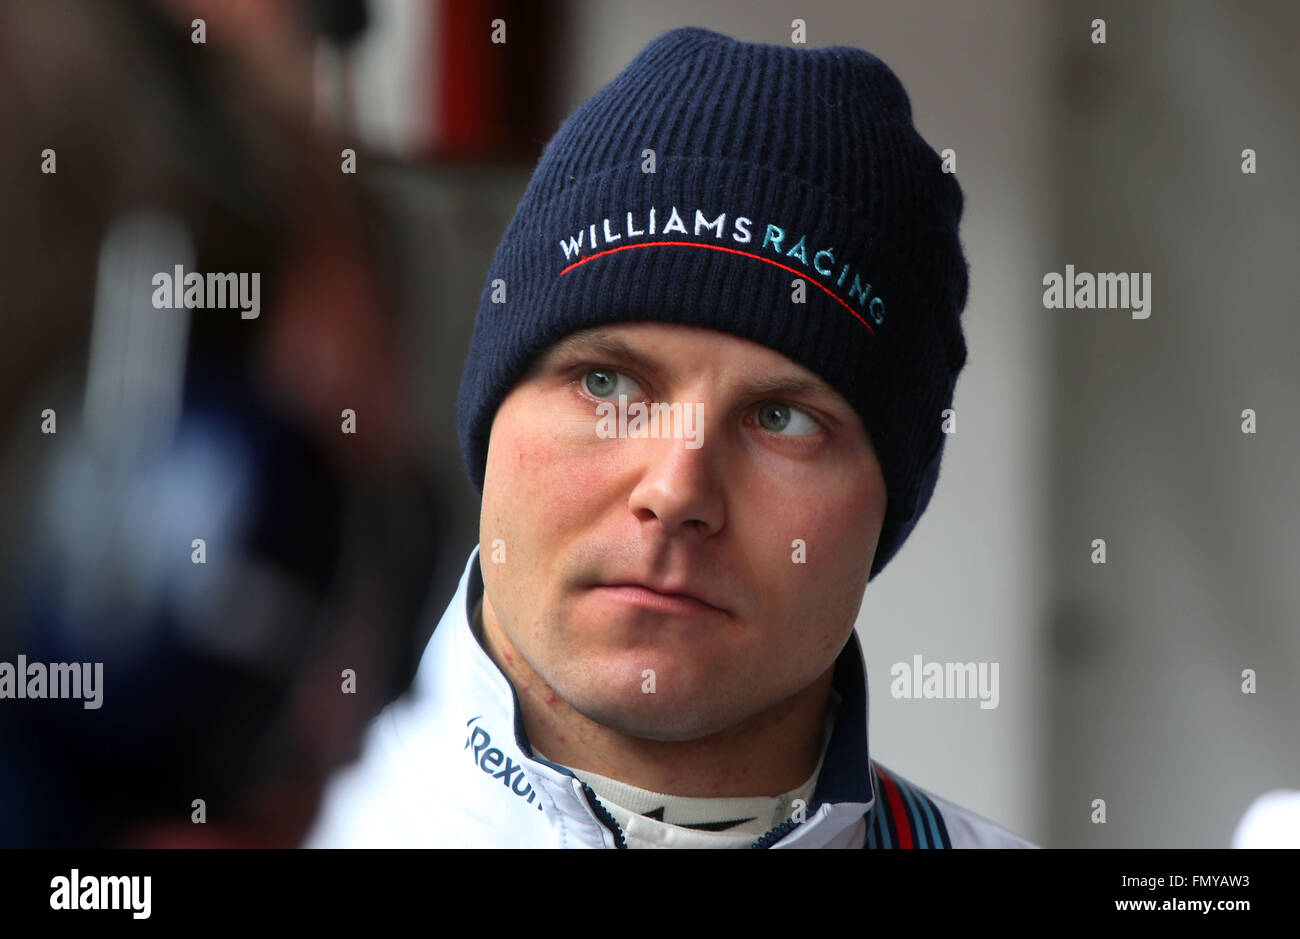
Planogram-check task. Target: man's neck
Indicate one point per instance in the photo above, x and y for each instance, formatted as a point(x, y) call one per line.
point(772, 752)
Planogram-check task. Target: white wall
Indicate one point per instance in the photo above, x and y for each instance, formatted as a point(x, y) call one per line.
point(1200, 520)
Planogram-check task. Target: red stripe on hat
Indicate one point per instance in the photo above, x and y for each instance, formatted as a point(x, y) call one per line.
point(743, 254)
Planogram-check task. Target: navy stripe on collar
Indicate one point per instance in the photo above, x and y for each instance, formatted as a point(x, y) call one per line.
point(904, 816)
point(846, 770)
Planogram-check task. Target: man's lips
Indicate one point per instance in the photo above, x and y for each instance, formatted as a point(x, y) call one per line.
point(682, 604)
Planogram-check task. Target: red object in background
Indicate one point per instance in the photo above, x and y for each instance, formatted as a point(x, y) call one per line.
point(496, 100)
point(472, 81)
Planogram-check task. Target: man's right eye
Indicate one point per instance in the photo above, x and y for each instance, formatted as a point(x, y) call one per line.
point(603, 383)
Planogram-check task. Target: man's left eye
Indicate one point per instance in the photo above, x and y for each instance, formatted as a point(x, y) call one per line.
point(778, 417)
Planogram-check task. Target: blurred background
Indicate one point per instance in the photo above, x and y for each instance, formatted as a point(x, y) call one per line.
point(327, 550)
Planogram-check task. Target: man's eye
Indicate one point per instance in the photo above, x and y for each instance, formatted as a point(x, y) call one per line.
point(602, 382)
point(778, 417)
point(775, 416)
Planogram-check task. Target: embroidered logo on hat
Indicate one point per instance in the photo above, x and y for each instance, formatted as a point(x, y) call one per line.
point(585, 246)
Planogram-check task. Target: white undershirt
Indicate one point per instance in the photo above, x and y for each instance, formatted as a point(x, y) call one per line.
point(754, 815)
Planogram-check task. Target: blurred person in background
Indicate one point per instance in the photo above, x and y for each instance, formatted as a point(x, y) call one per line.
point(217, 505)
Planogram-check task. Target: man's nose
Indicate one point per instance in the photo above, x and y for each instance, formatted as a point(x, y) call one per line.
point(681, 486)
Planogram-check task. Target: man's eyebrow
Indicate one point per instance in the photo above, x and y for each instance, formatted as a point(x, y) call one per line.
point(788, 386)
point(603, 344)
point(599, 343)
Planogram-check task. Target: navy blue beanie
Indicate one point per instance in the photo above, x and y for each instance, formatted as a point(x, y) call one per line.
point(770, 163)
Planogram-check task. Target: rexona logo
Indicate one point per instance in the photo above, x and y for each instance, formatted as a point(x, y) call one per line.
point(496, 764)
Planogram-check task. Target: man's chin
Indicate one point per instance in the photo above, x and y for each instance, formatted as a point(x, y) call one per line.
point(650, 717)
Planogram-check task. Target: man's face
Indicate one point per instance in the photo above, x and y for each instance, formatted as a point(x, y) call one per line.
point(769, 508)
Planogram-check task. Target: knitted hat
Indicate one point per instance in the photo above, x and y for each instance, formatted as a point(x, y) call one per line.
point(769, 164)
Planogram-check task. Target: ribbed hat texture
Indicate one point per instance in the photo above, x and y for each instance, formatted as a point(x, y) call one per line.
point(771, 163)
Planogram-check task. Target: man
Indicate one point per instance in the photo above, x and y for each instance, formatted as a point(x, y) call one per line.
point(702, 403)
